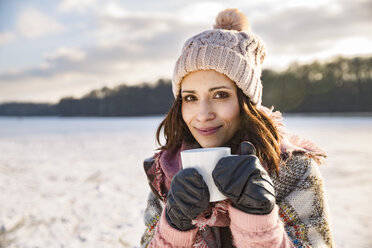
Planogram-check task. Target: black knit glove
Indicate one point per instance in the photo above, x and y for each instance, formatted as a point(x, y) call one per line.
point(245, 182)
point(187, 198)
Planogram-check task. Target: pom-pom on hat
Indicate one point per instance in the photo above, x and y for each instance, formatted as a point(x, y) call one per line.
point(231, 49)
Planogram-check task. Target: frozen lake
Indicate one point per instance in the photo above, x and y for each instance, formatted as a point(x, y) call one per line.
point(79, 182)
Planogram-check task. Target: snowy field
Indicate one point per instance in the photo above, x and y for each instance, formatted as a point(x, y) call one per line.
point(79, 182)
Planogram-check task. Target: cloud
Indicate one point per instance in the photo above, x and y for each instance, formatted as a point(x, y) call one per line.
point(143, 36)
point(6, 37)
point(136, 46)
point(141, 50)
point(66, 54)
point(80, 6)
point(307, 30)
point(200, 12)
point(51, 84)
point(114, 10)
point(124, 45)
point(32, 23)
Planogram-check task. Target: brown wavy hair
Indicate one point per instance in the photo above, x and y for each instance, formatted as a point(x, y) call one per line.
point(255, 127)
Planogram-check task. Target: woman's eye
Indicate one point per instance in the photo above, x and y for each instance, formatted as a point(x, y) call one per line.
point(189, 98)
point(221, 95)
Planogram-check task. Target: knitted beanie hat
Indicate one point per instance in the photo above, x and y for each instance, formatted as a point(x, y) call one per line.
point(230, 49)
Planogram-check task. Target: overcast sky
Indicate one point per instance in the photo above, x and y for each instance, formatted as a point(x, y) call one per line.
point(55, 48)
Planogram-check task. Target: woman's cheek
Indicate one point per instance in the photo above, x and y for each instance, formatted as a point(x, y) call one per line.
point(186, 113)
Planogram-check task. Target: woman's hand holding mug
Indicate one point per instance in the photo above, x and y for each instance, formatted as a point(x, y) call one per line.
point(245, 182)
point(187, 198)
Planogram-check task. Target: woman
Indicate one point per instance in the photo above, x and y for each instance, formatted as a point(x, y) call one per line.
point(274, 189)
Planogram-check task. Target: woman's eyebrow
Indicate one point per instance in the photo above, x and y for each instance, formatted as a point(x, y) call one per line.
point(220, 87)
point(210, 90)
point(188, 91)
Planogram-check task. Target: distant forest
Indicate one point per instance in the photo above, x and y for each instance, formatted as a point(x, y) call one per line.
point(340, 85)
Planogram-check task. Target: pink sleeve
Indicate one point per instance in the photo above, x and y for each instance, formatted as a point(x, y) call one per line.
point(250, 230)
point(166, 236)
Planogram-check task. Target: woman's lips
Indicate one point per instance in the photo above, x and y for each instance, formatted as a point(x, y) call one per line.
point(208, 131)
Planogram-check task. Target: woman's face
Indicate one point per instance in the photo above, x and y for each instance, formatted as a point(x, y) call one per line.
point(210, 107)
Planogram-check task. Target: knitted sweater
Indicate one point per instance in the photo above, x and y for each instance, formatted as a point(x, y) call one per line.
point(301, 208)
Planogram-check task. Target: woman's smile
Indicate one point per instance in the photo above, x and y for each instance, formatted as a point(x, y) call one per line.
point(208, 131)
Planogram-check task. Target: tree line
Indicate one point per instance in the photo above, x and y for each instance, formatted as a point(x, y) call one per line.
point(339, 85)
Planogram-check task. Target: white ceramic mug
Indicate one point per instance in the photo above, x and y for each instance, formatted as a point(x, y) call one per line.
point(204, 160)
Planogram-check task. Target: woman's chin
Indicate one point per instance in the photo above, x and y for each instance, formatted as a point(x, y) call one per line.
point(208, 144)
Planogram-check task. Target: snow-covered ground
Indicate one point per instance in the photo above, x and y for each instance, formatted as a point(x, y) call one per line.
point(79, 182)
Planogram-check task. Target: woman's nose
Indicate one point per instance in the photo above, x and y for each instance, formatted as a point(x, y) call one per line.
point(205, 111)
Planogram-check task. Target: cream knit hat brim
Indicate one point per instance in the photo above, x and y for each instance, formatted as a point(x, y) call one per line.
point(236, 54)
